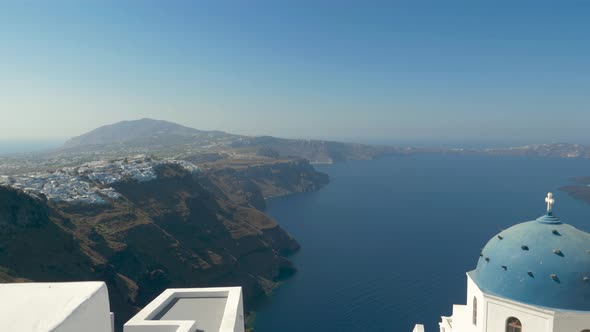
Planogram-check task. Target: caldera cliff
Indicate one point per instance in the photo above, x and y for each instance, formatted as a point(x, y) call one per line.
point(180, 230)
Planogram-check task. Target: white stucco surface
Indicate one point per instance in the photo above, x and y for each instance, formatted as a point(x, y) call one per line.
point(493, 312)
point(207, 312)
point(418, 328)
point(56, 307)
point(191, 310)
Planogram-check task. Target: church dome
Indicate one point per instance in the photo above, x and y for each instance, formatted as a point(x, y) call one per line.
point(542, 262)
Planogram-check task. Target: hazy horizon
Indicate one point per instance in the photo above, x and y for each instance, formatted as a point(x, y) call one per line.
point(460, 73)
point(38, 144)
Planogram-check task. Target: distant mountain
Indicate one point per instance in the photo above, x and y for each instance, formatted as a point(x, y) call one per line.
point(138, 132)
point(167, 139)
point(163, 139)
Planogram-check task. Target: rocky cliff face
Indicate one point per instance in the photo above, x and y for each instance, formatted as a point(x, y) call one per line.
point(32, 243)
point(181, 230)
point(20, 211)
point(252, 184)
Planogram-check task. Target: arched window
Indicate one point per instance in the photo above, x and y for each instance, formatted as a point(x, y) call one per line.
point(474, 311)
point(513, 325)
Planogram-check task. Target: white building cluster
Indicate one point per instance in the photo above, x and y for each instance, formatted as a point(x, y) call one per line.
point(185, 164)
point(91, 182)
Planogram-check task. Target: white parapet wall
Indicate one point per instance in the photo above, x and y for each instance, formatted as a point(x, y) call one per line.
point(418, 328)
point(55, 307)
point(190, 310)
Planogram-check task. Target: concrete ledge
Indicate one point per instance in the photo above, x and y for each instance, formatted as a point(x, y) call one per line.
point(153, 318)
point(56, 307)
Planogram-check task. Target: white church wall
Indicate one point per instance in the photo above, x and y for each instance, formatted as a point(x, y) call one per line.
point(494, 311)
point(462, 318)
point(473, 292)
point(445, 324)
point(418, 328)
point(499, 310)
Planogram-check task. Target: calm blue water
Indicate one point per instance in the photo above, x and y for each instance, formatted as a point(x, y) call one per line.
point(24, 146)
point(387, 243)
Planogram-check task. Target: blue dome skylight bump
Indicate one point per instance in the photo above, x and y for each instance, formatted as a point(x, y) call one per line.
point(558, 252)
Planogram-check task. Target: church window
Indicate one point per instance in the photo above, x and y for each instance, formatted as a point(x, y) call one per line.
point(513, 325)
point(474, 311)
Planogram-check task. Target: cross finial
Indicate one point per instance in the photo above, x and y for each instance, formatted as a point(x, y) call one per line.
point(550, 201)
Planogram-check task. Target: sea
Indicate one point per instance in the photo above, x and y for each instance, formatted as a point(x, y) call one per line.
point(387, 243)
point(8, 147)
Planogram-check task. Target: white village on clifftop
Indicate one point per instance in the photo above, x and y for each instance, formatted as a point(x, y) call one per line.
point(91, 182)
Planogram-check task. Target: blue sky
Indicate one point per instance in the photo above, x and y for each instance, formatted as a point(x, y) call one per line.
point(395, 71)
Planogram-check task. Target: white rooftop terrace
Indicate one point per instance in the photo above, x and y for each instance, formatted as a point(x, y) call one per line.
point(56, 307)
point(192, 310)
point(84, 306)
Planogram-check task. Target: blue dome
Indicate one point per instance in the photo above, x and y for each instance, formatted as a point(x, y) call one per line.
point(543, 262)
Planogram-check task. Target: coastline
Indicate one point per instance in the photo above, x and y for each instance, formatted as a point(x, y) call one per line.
point(579, 189)
point(250, 319)
point(173, 208)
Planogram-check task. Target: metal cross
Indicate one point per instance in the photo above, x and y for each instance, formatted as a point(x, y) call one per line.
point(550, 201)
